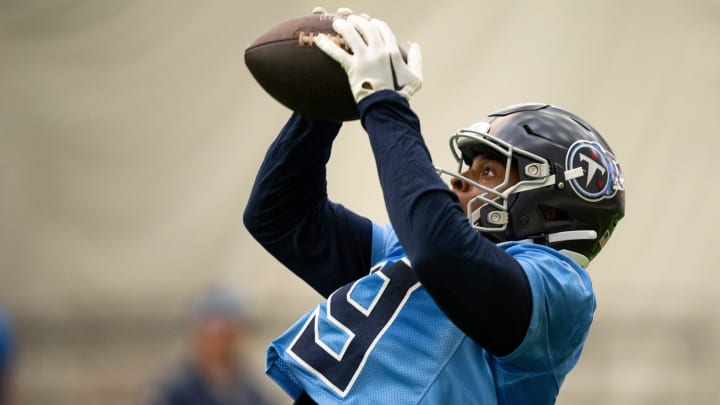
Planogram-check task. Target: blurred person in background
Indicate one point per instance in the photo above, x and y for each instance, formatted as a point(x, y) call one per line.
point(7, 360)
point(213, 373)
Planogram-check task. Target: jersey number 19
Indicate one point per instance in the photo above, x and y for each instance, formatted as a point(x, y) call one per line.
point(339, 336)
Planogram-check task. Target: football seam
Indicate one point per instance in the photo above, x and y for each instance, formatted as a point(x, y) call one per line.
point(308, 38)
point(304, 39)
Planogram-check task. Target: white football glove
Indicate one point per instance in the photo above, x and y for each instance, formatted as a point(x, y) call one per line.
point(375, 57)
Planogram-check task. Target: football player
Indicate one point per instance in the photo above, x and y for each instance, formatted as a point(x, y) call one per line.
point(475, 293)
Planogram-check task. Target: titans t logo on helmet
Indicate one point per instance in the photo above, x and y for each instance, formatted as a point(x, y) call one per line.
point(601, 173)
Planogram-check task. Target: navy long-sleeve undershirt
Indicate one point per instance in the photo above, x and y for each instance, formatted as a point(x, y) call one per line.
point(289, 213)
point(480, 288)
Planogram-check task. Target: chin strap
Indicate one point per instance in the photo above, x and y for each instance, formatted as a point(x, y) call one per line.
point(571, 235)
point(564, 236)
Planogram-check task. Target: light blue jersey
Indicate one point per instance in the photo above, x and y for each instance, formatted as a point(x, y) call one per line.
point(382, 339)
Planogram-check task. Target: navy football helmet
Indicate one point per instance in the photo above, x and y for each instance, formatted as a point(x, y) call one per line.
point(564, 165)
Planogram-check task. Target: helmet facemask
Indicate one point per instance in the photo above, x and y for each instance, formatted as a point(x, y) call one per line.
point(490, 211)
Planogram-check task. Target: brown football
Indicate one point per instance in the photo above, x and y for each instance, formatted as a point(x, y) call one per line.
point(287, 64)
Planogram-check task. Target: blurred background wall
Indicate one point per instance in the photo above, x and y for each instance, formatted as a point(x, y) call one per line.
point(130, 133)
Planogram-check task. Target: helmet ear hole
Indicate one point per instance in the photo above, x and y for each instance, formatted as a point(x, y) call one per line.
point(551, 214)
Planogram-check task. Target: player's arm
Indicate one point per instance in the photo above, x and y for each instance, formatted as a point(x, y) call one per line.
point(289, 212)
point(480, 288)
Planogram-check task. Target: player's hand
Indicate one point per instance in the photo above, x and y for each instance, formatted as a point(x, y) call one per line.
point(375, 57)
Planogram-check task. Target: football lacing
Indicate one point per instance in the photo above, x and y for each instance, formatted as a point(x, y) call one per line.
point(308, 39)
